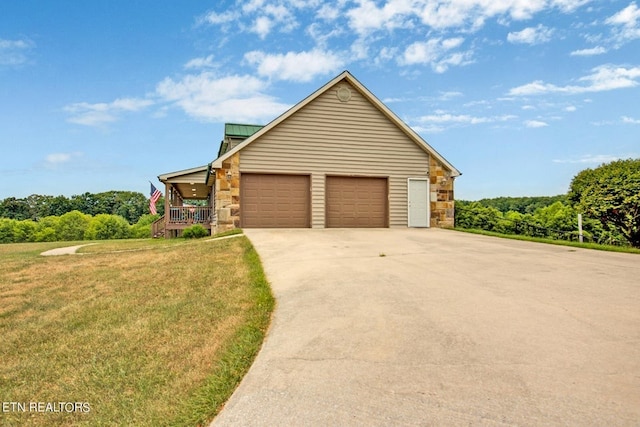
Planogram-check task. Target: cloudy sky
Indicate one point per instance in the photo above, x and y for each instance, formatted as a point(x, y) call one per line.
point(518, 95)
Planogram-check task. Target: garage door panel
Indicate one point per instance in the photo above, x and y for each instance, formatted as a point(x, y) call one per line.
point(356, 202)
point(274, 201)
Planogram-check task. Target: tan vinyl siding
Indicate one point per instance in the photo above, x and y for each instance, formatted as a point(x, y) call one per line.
point(330, 137)
point(317, 199)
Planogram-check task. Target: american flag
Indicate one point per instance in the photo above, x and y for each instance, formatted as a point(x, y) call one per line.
point(155, 195)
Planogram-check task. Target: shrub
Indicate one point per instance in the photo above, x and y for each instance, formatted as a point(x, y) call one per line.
point(104, 226)
point(47, 234)
point(195, 232)
point(23, 231)
point(7, 230)
point(72, 225)
point(47, 230)
point(142, 228)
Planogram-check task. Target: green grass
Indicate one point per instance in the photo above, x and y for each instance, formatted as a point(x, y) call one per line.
point(610, 248)
point(147, 332)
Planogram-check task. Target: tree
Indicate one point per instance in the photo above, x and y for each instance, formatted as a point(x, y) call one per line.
point(611, 193)
point(15, 209)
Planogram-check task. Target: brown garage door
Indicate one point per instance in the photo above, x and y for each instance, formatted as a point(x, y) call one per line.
point(356, 202)
point(274, 201)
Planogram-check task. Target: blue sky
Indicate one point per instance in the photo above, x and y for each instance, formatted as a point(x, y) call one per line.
point(518, 95)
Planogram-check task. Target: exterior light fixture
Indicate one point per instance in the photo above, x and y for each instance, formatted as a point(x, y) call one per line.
point(228, 176)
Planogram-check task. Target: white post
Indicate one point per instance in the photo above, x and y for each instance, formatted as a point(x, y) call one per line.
point(580, 236)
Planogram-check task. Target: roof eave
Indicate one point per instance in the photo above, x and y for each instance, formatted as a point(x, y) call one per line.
point(167, 176)
point(217, 163)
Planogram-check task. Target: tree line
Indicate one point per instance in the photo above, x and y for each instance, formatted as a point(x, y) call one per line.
point(72, 226)
point(87, 216)
point(608, 197)
point(555, 221)
point(128, 204)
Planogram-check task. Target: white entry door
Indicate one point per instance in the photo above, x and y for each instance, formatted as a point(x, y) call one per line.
point(418, 202)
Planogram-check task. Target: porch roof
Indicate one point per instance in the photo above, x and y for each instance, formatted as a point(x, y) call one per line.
point(190, 183)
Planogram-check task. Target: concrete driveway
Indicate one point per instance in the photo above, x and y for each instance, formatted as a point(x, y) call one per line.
point(436, 327)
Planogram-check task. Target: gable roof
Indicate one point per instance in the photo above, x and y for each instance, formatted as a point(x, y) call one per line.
point(236, 131)
point(240, 130)
point(345, 75)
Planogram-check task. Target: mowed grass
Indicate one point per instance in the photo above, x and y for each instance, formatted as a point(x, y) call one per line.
point(147, 333)
point(596, 246)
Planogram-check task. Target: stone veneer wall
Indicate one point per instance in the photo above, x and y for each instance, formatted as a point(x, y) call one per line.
point(442, 201)
point(228, 195)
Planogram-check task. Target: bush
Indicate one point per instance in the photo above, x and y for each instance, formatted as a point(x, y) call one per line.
point(7, 230)
point(142, 229)
point(23, 231)
point(47, 230)
point(45, 235)
point(195, 232)
point(72, 226)
point(104, 226)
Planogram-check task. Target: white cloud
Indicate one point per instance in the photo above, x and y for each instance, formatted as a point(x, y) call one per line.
point(328, 12)
point(598, 50)
point(99, 114)
point(628, 17)
point(436, 122)
point(14, 53)
point(270, 17)
point(295, 66)
point(54, 160)
point(626, 23)
point(436, 53)
point(321, 35)
point(445, 96)
point(215, 18)
point(386, 54)
point(199, 63)
point(257, 16)
point(630, 120)
point(252, 5)
point(603, 78)
point(368, 17)
point(531, 35)
point(591, 158)
point(232, 98)
point(535, 124)
point(474, 13)
point(570, 109)
point(262, 26)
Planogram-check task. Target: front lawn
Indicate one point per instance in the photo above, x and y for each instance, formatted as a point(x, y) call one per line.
point(131, 332)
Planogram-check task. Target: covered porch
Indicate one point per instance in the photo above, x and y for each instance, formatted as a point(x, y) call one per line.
point(188, 200)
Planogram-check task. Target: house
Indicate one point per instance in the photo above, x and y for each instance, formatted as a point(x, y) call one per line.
point(339, 158)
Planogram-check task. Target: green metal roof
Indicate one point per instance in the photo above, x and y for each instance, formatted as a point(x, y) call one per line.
point(240, 130)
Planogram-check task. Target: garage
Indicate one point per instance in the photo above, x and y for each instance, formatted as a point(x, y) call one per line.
point(356, 202)
point(274, 201)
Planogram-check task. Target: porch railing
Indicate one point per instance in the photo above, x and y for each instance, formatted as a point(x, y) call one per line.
point(190, 215)
point(157, 227)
